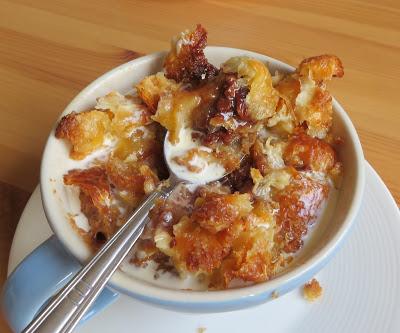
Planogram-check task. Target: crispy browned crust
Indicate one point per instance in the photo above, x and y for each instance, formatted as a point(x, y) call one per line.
point(94, 183)
point(252, 257)
point(68, 126)
point(306, 153)
point(136, 178)
point(249, 260)
point(85, 131)
point(217, 212)
point(298, 205)
point(97, 198)
point(203, 238)
point(186, 62)
point(321, 68)
point(197, 249)
point(310, 78)
point(316, 114)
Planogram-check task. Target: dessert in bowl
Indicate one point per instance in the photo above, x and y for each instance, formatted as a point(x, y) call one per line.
point(293, 158)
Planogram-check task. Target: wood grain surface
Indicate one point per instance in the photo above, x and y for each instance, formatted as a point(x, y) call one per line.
point(50, 50)
point(12, 203)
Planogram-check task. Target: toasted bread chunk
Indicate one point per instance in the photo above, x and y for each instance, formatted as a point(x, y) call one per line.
point(129, 113)
point(262, 98)
point(321, 68)
point(195, 249)
point(186, 61)
point(152, 87)
point(85, 131)
point(96, 202)
point(93, 182)
point(298, 202)
point(314, 108)
point(249, 260)
point(307, 102)
point(174, 112)
point(217, 212)
point(304, 152)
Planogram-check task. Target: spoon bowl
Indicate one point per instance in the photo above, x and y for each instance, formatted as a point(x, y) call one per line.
point(207, 171)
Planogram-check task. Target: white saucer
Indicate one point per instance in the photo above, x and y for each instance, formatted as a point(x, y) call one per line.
point(361, 284)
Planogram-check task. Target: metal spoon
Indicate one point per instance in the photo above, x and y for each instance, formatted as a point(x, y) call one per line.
point(65, 310)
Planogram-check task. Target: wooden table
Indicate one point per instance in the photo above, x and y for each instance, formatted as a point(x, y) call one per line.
point(50, 50)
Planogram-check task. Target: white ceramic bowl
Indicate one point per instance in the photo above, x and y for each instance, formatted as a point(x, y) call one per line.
point(320, 247)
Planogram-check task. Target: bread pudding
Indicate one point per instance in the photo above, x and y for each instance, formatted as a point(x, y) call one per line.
point(269, 133)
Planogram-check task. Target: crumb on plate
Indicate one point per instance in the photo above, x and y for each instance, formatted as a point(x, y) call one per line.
point(312, 290)
point(274, 295)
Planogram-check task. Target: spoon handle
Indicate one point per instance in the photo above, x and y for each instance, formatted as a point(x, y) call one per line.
point(69, 305)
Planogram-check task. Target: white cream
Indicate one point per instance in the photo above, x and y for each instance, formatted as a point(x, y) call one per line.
point(198, 162)
point(210, 171)
point(306, 93)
